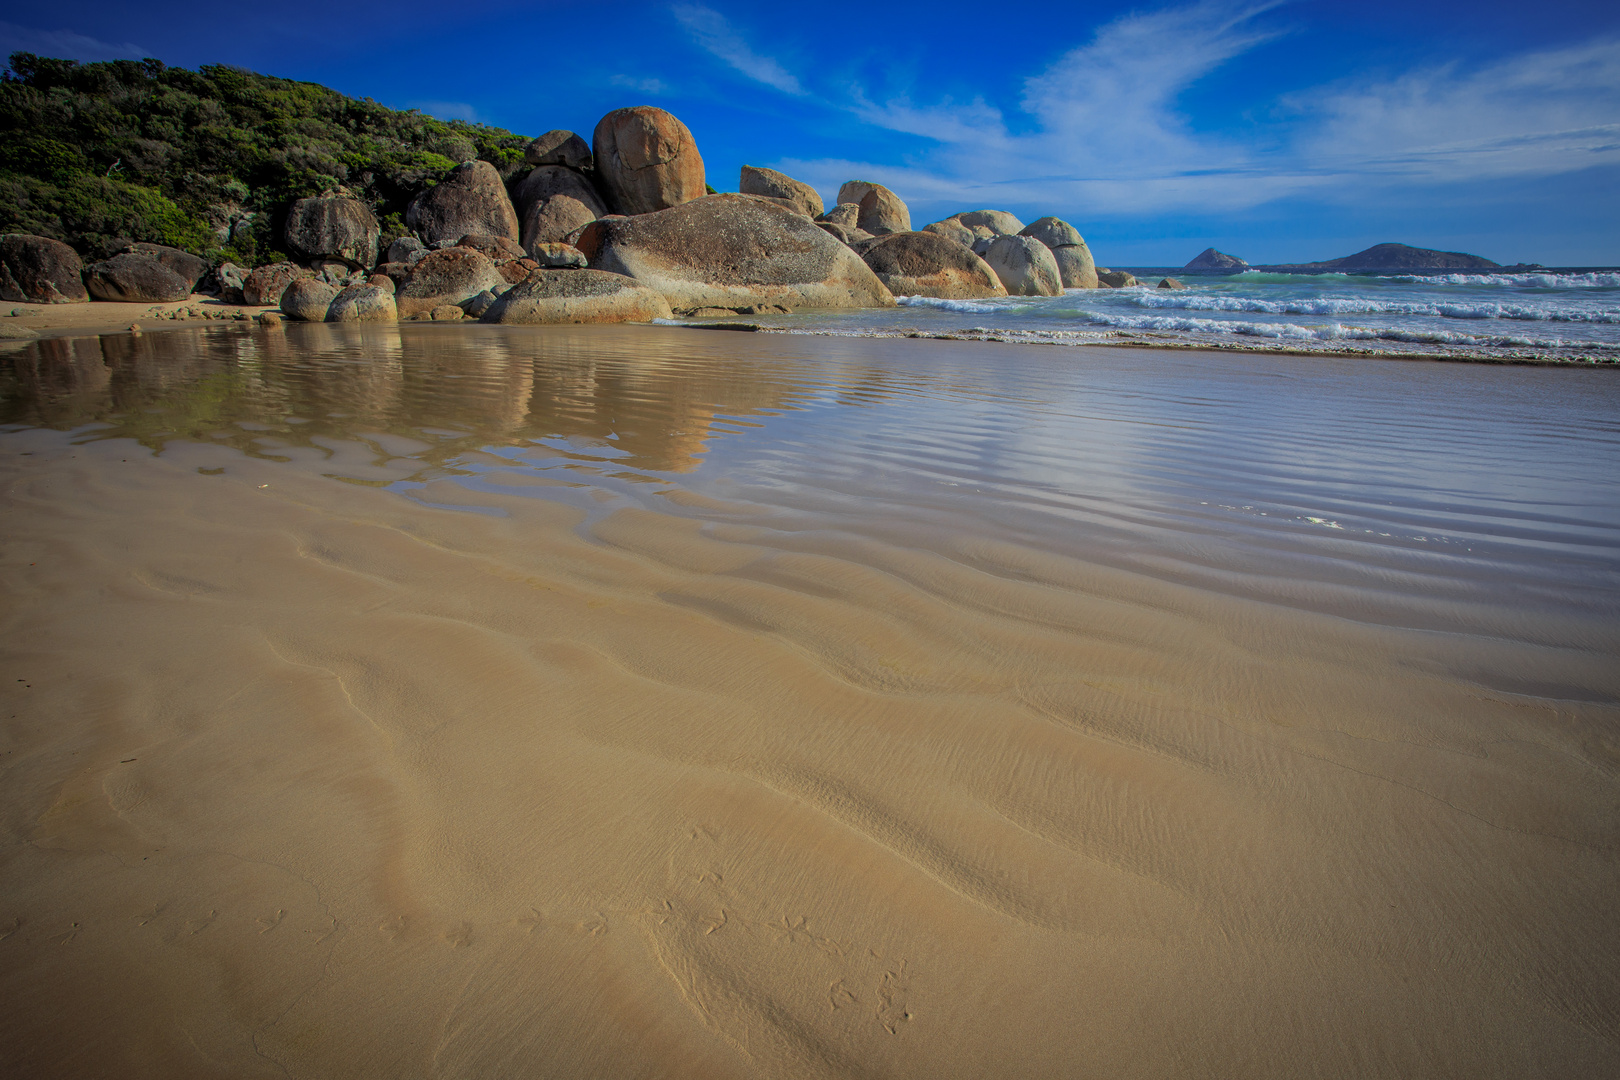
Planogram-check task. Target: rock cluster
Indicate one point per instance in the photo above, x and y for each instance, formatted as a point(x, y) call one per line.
point(266, 285)
point(449, 276)
point(623, 228)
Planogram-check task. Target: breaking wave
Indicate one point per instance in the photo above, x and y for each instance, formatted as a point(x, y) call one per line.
point(1328, 305)
point(1332, 332)
point(1594, 280)
point(998, 303)
point(1599, 279)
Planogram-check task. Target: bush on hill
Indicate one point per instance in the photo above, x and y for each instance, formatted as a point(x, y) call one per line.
point(207, 160)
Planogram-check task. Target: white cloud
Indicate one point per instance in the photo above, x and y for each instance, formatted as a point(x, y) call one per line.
point(65, 44)
point(1101, 130)
point(1540, 113)
point(1106, 134)
point(1117, 94)
point(710, 30)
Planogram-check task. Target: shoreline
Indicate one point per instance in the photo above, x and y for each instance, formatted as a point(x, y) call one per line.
point(104, 317)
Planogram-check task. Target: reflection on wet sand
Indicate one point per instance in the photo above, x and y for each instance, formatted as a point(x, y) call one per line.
point(632, 702)
point(655, 414)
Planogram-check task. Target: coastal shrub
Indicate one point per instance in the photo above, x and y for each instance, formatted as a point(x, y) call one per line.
point(89, 212)
point(207, 160)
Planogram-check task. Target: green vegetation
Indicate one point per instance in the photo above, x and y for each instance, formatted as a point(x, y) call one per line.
point(207, 160)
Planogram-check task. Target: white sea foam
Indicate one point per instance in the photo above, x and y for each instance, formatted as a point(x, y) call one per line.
point(998, 303)
point(1595, 280)
point(1332, 332)
point(1601, 279)
point(1361, 305)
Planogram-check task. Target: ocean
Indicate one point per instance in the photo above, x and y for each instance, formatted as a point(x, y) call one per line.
point(1558, 314)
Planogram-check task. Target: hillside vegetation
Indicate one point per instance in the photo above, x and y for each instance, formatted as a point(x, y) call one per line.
point(207, 160)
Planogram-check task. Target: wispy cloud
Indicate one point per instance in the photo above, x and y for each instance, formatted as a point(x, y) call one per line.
point(65, 44)
point(715, 34)
point(1103, 129)
point(1544, 112)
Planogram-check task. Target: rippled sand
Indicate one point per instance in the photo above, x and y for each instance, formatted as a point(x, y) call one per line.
point(628, 702)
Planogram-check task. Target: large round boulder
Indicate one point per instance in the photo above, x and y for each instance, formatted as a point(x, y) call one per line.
point(577, 296)
point(883, 212)
point(135, 278)
point(472, 199)
point(451, 275)
point(556, 201)
point(1075, 264)
point(191, 267)
point(333, 228)
point(558, 148)
point(853, 191)
point(1076, 267)
point(363, 303)
point(924, 264)
point(554, 220)
point(39, 270)
point(733, 251)
point(548, 181)
point(770, 183)
point(647, 160)
point(265, 286)
point(999, 222)
point(1053, 232)
point(1025, 266)
point(952, 230)
point(308, 300)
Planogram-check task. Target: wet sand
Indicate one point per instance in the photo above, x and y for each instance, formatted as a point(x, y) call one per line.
point(644, 703)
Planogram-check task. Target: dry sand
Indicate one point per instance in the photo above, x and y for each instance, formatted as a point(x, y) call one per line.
point(303, 779)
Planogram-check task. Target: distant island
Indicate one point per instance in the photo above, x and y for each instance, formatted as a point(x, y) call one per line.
point(1377, 257)
point(1210, 259)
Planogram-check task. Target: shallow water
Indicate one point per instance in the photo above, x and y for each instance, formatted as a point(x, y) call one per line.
point(1570, 314)
point(458, 701)
point(1406, 492)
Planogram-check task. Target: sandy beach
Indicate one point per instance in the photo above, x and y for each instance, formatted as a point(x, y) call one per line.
point(484, 702)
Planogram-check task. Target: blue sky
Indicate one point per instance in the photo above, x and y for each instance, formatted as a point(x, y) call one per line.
point(1276, 131)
